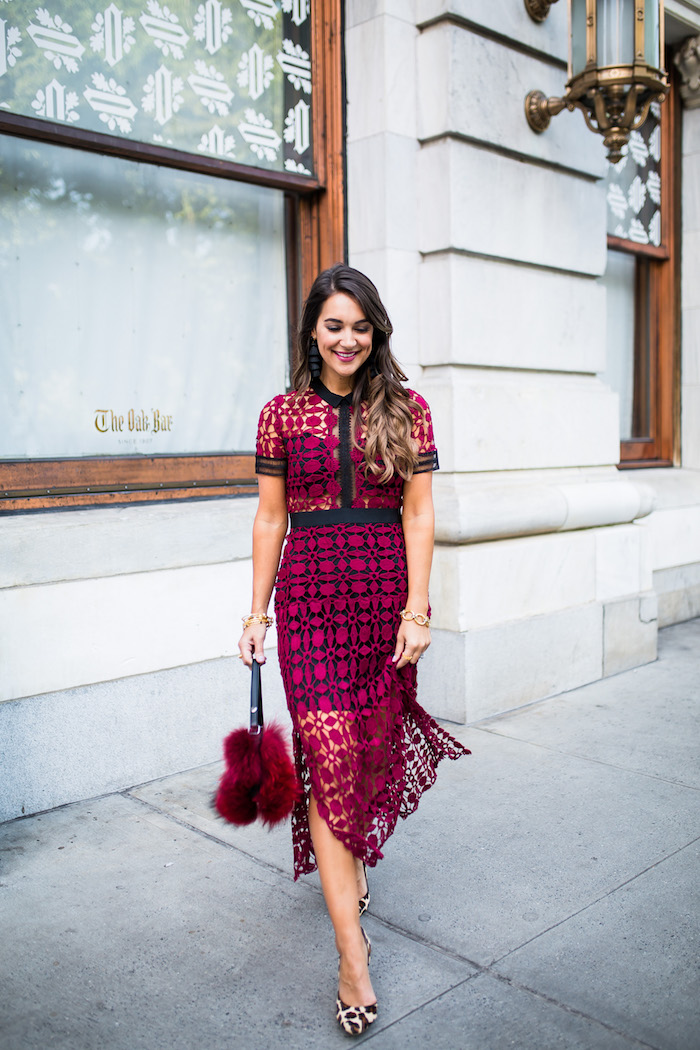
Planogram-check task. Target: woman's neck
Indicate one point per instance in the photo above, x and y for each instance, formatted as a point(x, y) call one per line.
point(336, 384)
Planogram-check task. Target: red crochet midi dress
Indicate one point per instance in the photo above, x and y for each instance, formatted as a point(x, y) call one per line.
point(362, 743)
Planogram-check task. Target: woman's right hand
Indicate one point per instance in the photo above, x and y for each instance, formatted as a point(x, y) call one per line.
point(252, 644)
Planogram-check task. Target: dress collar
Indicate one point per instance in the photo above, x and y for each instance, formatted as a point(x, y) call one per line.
point(335, 400)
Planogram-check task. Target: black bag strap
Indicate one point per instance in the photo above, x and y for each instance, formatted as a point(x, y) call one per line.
point(256, 705)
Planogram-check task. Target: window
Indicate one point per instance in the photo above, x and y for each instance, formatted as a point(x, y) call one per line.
point(167, 191)
point(641, 286)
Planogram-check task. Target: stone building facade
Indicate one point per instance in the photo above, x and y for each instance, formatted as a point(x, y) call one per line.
point(553, 566)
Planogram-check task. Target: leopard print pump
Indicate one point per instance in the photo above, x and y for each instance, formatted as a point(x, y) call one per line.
point(356, 1019)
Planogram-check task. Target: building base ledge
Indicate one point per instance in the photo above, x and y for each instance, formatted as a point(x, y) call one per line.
point(472, 508)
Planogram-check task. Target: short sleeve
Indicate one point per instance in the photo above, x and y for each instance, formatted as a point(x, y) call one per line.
point(422, 435)
point(270, 451)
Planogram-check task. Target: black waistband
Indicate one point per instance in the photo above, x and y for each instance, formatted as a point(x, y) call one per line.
point(346, 516)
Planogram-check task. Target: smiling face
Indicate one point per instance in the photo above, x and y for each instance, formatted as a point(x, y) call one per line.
point(344, 338)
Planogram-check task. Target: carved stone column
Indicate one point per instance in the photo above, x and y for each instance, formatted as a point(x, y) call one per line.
point(687, 61)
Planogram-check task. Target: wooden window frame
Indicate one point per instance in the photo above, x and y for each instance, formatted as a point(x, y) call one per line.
point(661, 448)
point(315, 227)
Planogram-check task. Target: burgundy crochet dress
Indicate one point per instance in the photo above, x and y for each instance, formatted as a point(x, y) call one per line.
point(362, 743)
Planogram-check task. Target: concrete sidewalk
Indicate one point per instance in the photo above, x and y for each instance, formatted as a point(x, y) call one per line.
point(544, 895)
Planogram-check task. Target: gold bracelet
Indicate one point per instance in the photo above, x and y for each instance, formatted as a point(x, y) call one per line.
point(419, 618)
point(256, 618)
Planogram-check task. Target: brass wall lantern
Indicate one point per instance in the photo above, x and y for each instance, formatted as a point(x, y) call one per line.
point(616, 50)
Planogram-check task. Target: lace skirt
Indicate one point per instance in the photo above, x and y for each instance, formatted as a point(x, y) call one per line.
point(362, 743)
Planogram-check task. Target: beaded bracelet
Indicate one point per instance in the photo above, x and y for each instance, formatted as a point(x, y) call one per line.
point(419, 618)
point(255, 618)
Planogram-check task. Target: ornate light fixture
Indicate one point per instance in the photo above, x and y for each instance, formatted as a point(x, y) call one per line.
point(615, 67)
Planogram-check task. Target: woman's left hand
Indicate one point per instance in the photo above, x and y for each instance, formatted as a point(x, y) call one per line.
point(411, 642)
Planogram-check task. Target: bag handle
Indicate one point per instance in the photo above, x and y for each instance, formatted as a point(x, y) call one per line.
point(256, 705)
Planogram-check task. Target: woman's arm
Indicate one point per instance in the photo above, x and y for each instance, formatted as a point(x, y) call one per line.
point(419, 530)
point(269, 530)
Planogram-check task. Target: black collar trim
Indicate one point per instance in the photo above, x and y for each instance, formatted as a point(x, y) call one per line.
point(335, 400)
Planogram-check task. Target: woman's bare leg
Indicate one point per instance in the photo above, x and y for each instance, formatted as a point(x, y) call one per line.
point(336, 866)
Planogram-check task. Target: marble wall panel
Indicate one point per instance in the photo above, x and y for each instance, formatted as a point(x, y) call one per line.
point(481, 209)
point(507, 18)
point(486, 312)
point(78, 743)
point(690, 367)
point(691, 131)
point(691, 192)
point(381, 78)
point(493, 419)
point(468, 677)
point(630, 632)
point(690, 425)
point(678, 593)
point(96, 630)
point(675, 536)
point(382, 203)
point(483, 584)
point(358, 11)
point(395, 274)
point(470, 85)
point(623, 561)
point(690, 279)
point(108, 541)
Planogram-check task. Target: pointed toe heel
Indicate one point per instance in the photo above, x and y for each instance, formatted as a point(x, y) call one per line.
point(354, 1019)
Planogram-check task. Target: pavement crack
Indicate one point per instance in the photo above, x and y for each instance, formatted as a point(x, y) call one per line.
point(592, 904)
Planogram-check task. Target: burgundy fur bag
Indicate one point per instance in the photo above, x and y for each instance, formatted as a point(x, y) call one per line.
point(259, 779)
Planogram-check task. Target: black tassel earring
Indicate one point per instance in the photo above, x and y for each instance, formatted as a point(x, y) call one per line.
point(315, 361)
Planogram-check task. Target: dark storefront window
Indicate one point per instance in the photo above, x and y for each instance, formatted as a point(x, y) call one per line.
point(167, 191)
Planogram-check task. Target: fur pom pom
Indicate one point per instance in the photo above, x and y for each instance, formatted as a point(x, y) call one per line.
point(259, 779)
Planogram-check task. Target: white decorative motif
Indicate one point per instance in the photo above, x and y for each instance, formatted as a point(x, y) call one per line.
point(638, 149)
point(161, 95)
point(56, 103)
point(654, 186)
point(10, 37)
point(55, 38)
point(637, 195)
point(112, 33)
point(216, 141)
point(617, 200)
point(263, 12)
point(637, 233)
point(212, 24)
point(296, 126)
point(296, 168)
point(260, 135)
point(655, 228)
point(164, 28)
point(299, 10)
point(255, 71)
point(110, 102)
point(213, 91)
point(655, 143)
point(296, 64)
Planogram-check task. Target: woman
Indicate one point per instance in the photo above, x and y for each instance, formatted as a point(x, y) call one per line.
point(349, 454)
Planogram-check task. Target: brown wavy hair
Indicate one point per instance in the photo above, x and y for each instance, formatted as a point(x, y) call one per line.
point(387, 416)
